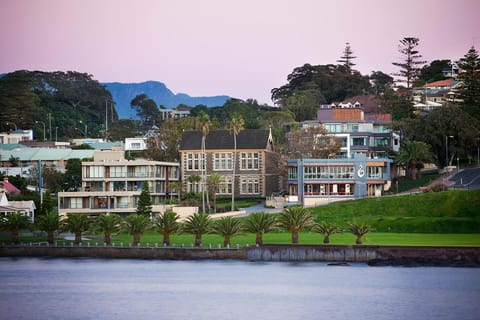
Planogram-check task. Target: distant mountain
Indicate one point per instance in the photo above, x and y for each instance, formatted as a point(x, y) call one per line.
point(123, 94)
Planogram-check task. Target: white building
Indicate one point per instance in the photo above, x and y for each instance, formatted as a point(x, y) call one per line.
point(112, 184)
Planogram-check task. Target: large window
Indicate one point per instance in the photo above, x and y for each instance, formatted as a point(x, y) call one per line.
point(75, 203)
point(375, 172)
point(328, 172)
point(96, 172)
point(118, 172)
point(360, 141)
point(250, 185)
point(194, 161)
point(249, 160)
point(222, 161)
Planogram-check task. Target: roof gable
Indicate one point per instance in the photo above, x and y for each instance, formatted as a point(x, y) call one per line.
point(223, 139)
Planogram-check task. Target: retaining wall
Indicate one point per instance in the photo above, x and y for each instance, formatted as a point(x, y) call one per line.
point(374, 255)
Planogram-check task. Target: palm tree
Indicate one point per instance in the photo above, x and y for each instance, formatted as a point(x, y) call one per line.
point(194, 179)
point(13, 223)
point(176, 186)
point(136, 225)
point(260, 223)
point(295, 219)
point(359, 230)
point(50, 222)
point(166, 224)
point(108, 224)
point(235, 125)
point(214, 181)
point(205, 127)
point(227, 227)
point(327, 229)
point(77, 223)
point(412, 155)
point(197, 224)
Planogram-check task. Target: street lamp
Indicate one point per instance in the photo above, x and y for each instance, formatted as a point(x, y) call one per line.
point(446, 149)
point(86, 128)
point(44, 136)
point(56, 133)
point(7, 123)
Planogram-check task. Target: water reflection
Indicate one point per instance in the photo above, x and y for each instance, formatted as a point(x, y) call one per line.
point(135, 289)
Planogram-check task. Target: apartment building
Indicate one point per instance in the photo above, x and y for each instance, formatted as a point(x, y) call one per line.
point(360, 126)
point(112, 184)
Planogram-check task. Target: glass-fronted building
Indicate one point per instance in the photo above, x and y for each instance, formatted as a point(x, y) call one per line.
point(313, 182)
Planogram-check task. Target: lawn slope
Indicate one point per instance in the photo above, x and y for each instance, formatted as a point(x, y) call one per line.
point(432, 212)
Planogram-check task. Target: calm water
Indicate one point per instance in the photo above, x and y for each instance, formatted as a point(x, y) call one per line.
point(33, 288)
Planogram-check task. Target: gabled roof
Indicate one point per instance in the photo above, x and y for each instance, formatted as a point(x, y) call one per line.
point(223, 139)
point(9, 188)
point(368, 103)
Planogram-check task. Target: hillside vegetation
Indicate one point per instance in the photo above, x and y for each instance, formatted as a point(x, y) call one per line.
point(434, 212)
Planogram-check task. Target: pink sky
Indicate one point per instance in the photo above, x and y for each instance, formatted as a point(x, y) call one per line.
point(238, 48)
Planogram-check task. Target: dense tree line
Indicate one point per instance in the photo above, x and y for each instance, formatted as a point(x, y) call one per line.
point(68, 101)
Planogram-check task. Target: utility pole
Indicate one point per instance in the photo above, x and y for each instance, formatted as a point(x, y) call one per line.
point(50, 125)
point(106, 119)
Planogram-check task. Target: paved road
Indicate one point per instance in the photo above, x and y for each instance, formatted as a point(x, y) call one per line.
point(466, 179)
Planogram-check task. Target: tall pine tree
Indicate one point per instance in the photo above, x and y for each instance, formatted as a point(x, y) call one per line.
point(347, 57)
point(144, 204)
point(411, 64)
point(470, 76)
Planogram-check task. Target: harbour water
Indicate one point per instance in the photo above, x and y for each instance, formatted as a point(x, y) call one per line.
point(41, 288)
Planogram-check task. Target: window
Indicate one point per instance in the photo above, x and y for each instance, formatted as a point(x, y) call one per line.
point(117, 172)
point(328, 172)
point(75, 203)
point(249, 160)
point(222, 161)
point(375, 172)
point(250, 186)
point(358, 141)
point(194, 161)
point(292, 172)
point(97, 172)
point(352, 127)
point(141, 171)
point(225, 187)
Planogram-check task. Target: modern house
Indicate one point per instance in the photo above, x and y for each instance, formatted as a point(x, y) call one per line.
point(313, 182)
point(112, 184)
point(360, 125)
point(256, 162)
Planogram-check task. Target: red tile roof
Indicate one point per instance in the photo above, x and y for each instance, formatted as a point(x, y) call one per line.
point(440, 83)
point(9, 188)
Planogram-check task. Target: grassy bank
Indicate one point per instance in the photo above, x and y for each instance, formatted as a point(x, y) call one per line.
point(433, 212)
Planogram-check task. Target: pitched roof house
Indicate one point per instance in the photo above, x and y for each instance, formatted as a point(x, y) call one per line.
point(256, 162)
point(8, 187)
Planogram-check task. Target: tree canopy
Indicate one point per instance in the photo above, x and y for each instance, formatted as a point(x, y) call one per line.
point(309, 86)
point(69, 97)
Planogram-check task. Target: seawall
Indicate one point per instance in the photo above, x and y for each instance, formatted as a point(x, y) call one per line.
point(373, 255)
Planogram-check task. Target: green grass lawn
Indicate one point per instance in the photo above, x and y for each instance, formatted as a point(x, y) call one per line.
point(432, 212)
point(373, 238)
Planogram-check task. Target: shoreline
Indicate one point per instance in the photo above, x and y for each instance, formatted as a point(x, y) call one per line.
point(408, 256)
